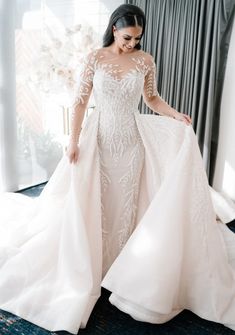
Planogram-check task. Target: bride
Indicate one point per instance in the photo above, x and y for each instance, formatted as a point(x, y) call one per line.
point(128, 207)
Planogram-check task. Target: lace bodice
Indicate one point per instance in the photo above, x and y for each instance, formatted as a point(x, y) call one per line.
point(117, 81)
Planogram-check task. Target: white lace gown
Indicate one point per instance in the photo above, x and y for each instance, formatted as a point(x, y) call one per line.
point(134, 215)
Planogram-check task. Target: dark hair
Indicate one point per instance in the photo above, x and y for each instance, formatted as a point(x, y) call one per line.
point(124, 16)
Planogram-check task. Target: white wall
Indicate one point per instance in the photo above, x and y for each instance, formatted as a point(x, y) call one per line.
point(224, 180)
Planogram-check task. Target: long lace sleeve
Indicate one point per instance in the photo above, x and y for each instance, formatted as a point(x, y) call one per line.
point(151, 95)
point(83, 93)
point(150, 84)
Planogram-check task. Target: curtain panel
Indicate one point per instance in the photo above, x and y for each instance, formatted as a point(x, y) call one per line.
point(189, 41)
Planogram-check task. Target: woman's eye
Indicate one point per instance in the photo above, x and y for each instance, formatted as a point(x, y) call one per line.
point(128, 38)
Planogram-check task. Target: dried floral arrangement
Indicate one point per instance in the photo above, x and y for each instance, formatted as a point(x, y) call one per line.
point(57, 66)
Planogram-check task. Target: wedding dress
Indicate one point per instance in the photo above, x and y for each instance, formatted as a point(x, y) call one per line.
point(134, 215)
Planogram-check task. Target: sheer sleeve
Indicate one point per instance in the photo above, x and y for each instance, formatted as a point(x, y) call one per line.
point(150, 84)
point(82, 95)
point(151, 95)
point(85, 82)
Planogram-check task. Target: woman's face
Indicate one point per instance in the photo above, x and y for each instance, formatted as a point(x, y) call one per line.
point(127, 38)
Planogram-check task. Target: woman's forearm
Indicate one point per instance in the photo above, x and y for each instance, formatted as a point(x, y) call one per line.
point(158, 105)
point(76, 123)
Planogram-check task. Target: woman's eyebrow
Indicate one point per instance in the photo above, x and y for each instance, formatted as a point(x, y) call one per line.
point(132, 36)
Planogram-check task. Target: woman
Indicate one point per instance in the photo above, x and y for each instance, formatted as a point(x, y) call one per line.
point(133, 212)
point(120, 147)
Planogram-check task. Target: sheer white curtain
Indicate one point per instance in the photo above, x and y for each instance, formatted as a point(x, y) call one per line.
point(8, 167)
point(34, 126)
point(224, 180)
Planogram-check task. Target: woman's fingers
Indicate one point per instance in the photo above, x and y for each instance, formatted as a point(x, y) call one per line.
point(72, 154)
point(187, 119)
point(183, 117)
point(73, 157)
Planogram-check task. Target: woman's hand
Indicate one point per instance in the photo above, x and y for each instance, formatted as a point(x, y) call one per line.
point(182, 117)
point(72, 152)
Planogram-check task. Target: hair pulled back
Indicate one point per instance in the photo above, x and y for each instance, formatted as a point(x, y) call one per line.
point(124, 16)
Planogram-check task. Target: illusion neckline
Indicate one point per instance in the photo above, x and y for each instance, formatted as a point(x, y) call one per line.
point(139, 51)
point(123, 77)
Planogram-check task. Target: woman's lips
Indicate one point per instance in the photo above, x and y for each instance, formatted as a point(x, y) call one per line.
point(128, 48)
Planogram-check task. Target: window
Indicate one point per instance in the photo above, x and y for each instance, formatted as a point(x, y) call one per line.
point(36, 99)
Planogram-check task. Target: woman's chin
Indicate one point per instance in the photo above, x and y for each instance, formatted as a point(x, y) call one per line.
point(127, 50)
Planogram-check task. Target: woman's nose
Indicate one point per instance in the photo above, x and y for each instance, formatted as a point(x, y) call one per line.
point(132, 43)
